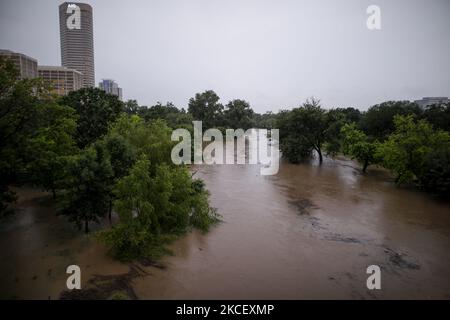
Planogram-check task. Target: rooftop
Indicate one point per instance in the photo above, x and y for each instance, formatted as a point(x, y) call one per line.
point(57, 68)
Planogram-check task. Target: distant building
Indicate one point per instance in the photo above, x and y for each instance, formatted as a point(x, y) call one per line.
point(428, 101)
point(77, 42)
point(27, 66)
point(111, 87)
point(62, 79)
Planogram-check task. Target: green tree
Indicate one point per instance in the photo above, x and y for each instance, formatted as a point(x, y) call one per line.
point(151, 139)
point(410, 151)
point(49, 148)
point(152, 206)
point(121, 156)
point(356, 144)
point(96, 110)
point(303, 130)
point(206, 107)
point(131, 107)
point(238, 114)
point(136, 233)
point(378, 121)
point(19, 104)
point(335, 119)
point(173, 116)
point(351, 114)
point(438, 115)
point(266, 120)
point(88, 187)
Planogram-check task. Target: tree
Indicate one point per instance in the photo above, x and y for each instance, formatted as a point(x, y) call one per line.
point(416, 152)
point(49, 148)
point(88, 186)
point(335, 118)
point(135, 234)
point(96, 110)
point(173, 116)
point(438, 115)
point(303, 130)
point(121, 156)
point(151, 139)
point(19, 103)
point(131, 107)
point(378, 121)
point(356, 144)
point(267, 120)
point(238, 114)
point(351, 114)
point(206, 107)
point(152, 206)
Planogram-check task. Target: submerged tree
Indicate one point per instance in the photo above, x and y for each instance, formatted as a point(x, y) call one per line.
point(88, 187)
point(417, 152)
point(356, 144)
point(152, 206)
point(303, 130)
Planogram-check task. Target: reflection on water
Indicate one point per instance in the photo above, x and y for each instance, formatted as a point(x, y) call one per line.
point(308, 232)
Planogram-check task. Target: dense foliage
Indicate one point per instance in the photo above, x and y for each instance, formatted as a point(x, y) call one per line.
point(400, 136)
point(416, 151)
point(356, 144)
point(98, 155)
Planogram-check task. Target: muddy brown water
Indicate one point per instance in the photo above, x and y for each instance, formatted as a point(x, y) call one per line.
point(308, 232)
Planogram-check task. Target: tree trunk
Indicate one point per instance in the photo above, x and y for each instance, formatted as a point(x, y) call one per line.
point(86, 226)
point(320, 155)
point(54, 193)
point(110, 212)
point(366, 164)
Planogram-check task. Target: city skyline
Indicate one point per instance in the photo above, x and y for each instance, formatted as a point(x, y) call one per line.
point(169, 51)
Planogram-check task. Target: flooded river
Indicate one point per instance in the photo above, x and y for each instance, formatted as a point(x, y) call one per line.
point(308, 232)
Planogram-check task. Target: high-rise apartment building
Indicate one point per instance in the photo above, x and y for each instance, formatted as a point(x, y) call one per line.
point(111, 87)
point(63, 80)
point(27, 66)
point(77, 39)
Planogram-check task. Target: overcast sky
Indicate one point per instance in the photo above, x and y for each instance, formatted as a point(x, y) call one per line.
point(274, 54)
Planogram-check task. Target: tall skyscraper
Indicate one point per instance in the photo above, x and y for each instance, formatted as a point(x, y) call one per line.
point(77, 39)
